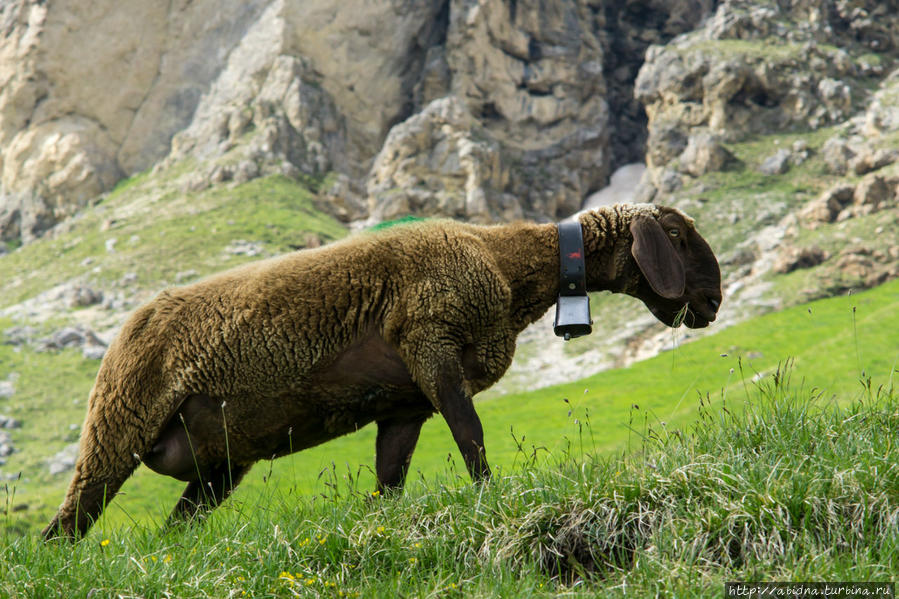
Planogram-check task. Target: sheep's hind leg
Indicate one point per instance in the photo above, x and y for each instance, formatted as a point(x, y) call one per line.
point(393, 451)
point(83, 505)
point(207, 492)
point(100, 471)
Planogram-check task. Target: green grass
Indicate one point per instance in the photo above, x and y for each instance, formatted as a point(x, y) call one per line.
point(836, 343)
point(559, 452)
point(159, 231)
point(793, 487)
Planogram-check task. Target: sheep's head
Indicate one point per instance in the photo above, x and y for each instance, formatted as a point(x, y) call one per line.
point(679, 279)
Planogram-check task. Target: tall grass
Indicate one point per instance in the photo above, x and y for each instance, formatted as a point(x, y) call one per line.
point(793, 486)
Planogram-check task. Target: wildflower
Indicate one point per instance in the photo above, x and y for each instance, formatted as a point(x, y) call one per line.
point(375, 493)
point(305, 542)
point(380, 529)
point(321, 540)
point(104, 542)
point(413, 560)
point(416, 545)
point(286, 576)
point(167, 558)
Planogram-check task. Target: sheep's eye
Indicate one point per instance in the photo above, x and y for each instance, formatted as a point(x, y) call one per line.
point(674, 233)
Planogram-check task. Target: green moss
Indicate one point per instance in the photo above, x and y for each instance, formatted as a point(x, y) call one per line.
point(405, 220)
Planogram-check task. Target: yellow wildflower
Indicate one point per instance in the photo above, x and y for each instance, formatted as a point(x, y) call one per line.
point(104, 542)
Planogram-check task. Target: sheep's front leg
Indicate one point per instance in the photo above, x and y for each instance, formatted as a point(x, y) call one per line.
point(457, 408)
point(393, 450)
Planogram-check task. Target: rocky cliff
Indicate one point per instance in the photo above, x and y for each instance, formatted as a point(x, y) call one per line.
point(475, 109)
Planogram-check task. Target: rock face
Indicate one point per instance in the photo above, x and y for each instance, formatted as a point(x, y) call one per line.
point(441, 162)
point(92, 93)
point(757, 68)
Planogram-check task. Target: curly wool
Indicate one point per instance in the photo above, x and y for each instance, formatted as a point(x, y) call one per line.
point(289, 352)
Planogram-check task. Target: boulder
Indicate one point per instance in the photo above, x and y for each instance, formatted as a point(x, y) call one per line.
point(870, 159)
point(793, 258)
point(873, 193)
point(63, 460)
point(837, 153)
point(828, 205)
point(8, 422)
point(705, 153)
point(777, 163)
point(81, 296)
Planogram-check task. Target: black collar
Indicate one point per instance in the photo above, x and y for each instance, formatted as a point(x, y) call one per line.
point(573, 307)
point(573, 272)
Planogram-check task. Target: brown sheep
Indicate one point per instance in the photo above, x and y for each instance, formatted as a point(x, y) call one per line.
point(389, 327)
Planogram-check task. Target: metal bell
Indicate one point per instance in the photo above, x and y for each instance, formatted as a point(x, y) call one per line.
point(573, 316)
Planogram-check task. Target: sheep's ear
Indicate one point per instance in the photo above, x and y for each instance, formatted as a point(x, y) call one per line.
point(657, 258)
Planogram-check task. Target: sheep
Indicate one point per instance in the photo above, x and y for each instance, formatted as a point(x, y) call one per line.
point(390, 327)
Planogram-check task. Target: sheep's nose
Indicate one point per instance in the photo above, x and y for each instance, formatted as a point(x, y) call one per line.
point(715, 304)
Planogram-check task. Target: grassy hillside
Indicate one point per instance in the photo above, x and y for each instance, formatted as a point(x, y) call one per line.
point(793, 487)
point(565, 456)
point(151, 227)
point(837, 345)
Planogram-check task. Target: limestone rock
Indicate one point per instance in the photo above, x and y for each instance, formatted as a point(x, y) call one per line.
point(828, 206)
point(777, 163)
point(532, 74)
point(874, 193)
point(9, 422)
point(81, 295)
point(872, 159)
point(63, 460)
point(705, 153)
point(6, 446)
point(371, 54)
point(68, 134)
point(342, 199)
point(441, 161)
point(793, 258)
point(837, 153)
point(756, 69)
